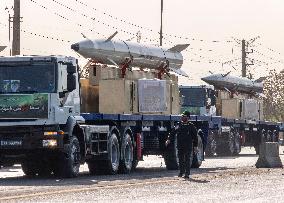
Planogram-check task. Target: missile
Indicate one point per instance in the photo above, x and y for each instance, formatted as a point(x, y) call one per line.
point(233, 83)
point(119, 52)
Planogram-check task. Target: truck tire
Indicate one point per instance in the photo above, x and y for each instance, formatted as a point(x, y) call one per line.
point(237, 143)
point(261, 140)
point(134, 164)
point(210, 149)
point(198, 156)
point(226, 147)
point(171, 156)
point(111, 165)
point(69, 161)
point(126, 154)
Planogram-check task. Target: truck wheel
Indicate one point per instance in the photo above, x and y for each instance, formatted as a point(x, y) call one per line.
point(30, 168)
point(134, 164)
point(112, 164)
point(210, 149)
point(126, 154)
point(269, 136)
point(261, 140)
point(69, 162)
point(237, 148)
point(198, 156)
point(226, 147)
point(44, 170)
point(171, 156)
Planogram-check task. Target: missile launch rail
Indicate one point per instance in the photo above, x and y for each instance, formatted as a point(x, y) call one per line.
point(42, 129)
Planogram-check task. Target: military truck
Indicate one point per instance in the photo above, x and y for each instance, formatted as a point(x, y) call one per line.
point(234, 120)
point(52, 121)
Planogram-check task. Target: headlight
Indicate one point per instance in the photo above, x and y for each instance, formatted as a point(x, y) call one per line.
point(49, 143)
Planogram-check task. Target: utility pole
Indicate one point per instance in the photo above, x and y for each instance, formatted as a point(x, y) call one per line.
point(9, 20)
point(161, 28)
point(16, 28)
point(244, 55)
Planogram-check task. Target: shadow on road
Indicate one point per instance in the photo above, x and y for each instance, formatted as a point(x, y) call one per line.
point(232, 157)
point(84, 178)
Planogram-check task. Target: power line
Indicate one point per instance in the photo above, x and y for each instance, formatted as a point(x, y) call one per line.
point(151, 30)
point(268, 57)
point(40, 35)
point(85, 16)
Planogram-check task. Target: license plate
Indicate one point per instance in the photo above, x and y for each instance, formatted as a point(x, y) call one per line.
point(10, 143)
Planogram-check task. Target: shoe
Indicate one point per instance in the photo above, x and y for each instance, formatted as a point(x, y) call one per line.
point(180, 175)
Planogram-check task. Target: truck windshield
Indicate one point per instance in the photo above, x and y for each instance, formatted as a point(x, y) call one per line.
point(193, 97)
point(36, 78)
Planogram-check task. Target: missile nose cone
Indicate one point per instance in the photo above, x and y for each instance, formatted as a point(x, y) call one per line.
point(75, 47)
point(205, 79)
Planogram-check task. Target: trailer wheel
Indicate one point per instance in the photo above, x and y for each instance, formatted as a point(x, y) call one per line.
point(261, 140)
point(226, 147)
point(198, 156)
point(237, 143)
point(210, 149)
point(126, 154)
point(275, 137)
point(171, 156)
point(69, 161)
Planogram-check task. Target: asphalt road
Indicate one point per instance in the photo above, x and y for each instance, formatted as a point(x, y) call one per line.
point(218, 180)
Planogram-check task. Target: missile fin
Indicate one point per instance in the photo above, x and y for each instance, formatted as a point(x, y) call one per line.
point(179, 71)
point(111, 37)
point(224, 75)
point(178, 48)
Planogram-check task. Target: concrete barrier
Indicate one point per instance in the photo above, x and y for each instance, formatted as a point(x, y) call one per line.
point(269, 156)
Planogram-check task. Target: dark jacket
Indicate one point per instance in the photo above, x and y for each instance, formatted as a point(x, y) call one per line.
point(186, 135)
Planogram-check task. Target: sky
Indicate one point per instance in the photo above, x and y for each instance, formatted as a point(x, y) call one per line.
point(212, 28)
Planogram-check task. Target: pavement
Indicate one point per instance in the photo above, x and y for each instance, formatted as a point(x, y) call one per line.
point(220, 179)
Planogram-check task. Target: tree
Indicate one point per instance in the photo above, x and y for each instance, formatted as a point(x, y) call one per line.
point(273, 102)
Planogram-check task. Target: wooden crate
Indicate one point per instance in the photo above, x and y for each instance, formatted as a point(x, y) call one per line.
point(89, 97)
point(116, 96)
point(175, 103)
point(231, 108)
point(100, 72)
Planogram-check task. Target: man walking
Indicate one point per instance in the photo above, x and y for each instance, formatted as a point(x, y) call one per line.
point(186, 139)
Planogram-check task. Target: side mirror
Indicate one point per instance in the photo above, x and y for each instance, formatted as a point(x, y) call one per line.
point(71, 82)
point(71, 69)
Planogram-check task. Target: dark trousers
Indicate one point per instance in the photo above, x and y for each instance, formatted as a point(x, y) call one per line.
point(184, 160)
